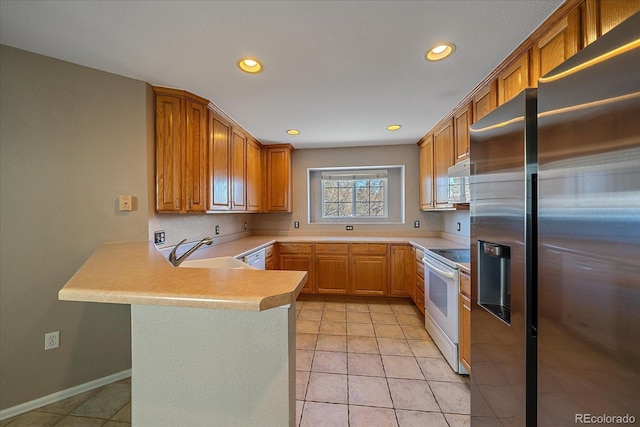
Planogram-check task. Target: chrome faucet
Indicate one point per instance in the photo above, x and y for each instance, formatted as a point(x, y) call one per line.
point(173, 259)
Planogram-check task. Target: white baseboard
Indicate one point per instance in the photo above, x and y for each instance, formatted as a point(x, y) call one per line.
point(61, 395)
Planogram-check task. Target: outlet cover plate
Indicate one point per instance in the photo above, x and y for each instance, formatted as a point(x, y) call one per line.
point(52, 340)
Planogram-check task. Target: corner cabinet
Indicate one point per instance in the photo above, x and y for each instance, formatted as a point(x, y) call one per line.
point(254, 176)
point(181, 151)
point(426, 173)
point(277, 165)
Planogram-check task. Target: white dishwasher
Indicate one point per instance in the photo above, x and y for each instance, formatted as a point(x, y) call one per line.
point(255, 259)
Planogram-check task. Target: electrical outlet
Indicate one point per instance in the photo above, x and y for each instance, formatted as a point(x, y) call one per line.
point(245, 226)
point(158, 237)
point(458, 226)
point(349, 227)
point(52, 340)
point(416, 224)
point(217, 230)
point(296, 224)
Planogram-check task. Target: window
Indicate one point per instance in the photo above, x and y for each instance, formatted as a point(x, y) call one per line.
point(354, 195)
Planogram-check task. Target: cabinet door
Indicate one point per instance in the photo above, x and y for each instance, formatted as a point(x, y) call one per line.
point(278, 173)
point(603, 15)
point(169, 147)
point(556, 46)
point(300, 262)
point(426, 173)
point(196, 157)
point(269, 259)
point(369, 275)
point(254, 177)
point(402, 270)
point(331, 273)
point(443, 159)
point(461, 123)
point(513, 79)
point(465, 332)
point(485, 101)
point(238, 170)
point(219, 165)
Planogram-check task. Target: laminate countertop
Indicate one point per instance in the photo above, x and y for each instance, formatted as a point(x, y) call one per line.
point(138, 273)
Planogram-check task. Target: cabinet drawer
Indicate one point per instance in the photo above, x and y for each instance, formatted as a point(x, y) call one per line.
point(332, 248)
point(420, 284)
point(295, 248)
point(420, 300)
point(420, 269)
point(419, 255)
point(369, 249)
point(465, 285)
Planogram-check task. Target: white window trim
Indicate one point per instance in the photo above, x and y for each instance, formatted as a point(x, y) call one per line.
point(357, 220)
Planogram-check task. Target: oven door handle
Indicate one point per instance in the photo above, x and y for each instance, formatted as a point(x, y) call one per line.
point(439, 271)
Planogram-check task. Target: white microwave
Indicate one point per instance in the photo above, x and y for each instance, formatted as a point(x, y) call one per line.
point(459, 176)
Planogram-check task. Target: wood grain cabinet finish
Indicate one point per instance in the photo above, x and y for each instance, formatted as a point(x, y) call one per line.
point(219, 165)
point(418, 298)
point(369, 272)
point(443, 159)
point(556, 46)
point(600, 16)
point(402, 270)
point(254, 176)
point(331, 268)
point(465, 322)
point(513, 79)
point(485, 101)
point(269, 258)
point(181, 151)
point(278, 197)
point(462, 119)
point(426, 173)
point(298, 257)
point(238, 178)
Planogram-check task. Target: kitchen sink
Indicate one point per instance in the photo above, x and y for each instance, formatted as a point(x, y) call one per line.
point(225, 262)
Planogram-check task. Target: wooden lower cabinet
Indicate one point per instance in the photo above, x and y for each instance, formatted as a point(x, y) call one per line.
point(331, 268)
point(464, 343)
point(402, 270)
point(269, 258)
point(298, 257)
point(368, 275)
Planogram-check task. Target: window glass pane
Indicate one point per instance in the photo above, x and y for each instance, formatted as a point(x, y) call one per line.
point(353, 197)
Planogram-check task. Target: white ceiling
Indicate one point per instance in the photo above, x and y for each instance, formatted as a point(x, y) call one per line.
point(340, 71)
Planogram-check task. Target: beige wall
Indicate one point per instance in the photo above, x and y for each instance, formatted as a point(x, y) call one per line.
point(406, 155)
point(72, 139)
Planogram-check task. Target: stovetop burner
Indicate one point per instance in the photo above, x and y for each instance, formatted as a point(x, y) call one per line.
point(455, 255)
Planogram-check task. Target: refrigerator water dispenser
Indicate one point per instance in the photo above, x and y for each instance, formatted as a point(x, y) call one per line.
point(494, 280)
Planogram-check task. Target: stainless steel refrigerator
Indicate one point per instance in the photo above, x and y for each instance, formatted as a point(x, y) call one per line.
point(555, 245)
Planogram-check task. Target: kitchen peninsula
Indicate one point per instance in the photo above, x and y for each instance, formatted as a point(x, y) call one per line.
point(209, 346)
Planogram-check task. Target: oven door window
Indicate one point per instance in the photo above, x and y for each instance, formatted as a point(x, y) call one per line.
point(438, 292)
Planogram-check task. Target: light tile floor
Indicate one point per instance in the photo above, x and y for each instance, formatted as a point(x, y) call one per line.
point(373, 364)
point(107, 406)
point(357, 364)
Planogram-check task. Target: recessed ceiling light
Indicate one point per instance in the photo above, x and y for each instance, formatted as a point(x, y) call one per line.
point(394, 127)
point(440, 51)
point(293, 131)
point(250, 65)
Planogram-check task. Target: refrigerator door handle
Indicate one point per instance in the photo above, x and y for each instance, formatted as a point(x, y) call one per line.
point(443, 273)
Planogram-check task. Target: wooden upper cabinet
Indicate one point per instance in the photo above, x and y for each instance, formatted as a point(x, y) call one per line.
point(278, 197)
point(181, 151)
point(513, 79)
point(196, 157)
point(169, 124)
point(461, 122)
point(443, 159)
point(485, 101)
point(238, 177)
point(254, 176)
point(426, 172)
point(556, 45)
point(600, 16)
point(219, 165)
